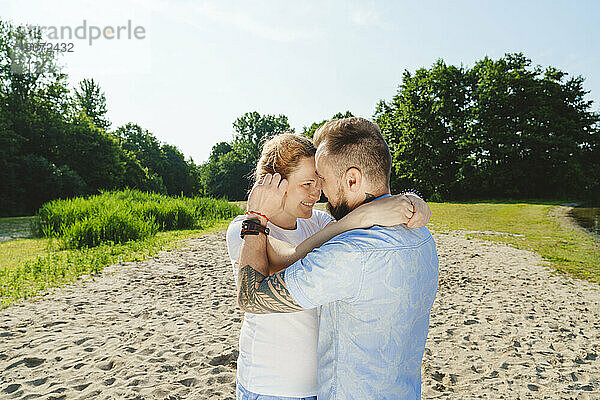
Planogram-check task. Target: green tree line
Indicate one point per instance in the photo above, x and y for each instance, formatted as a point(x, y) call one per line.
point(55, 142)
point(502, 128)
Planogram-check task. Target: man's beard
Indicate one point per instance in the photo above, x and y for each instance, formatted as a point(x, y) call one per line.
point(340, 211)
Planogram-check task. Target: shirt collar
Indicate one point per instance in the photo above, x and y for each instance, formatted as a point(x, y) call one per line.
point(380, 197)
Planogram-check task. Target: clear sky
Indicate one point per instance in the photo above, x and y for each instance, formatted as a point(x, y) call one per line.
point(202, 64)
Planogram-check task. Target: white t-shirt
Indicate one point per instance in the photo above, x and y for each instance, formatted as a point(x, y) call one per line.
point(278, 352)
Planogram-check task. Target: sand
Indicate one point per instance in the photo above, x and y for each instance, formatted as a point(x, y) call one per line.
point(165, 328)
point(502, 326)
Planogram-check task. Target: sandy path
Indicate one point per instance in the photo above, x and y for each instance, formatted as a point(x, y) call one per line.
point(504, 327)
point(167, 328)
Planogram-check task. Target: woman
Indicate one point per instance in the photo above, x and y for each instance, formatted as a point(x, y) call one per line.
point(278, 352)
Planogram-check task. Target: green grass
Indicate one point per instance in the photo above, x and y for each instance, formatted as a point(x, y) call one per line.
point(29, 267)
point(567, 250)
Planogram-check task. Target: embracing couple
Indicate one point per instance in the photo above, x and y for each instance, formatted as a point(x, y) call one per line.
point(335, 307)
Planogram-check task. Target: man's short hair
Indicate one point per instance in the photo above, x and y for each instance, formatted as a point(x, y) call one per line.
point(356, 142)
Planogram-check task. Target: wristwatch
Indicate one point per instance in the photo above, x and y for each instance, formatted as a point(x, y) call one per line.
point(252, 226)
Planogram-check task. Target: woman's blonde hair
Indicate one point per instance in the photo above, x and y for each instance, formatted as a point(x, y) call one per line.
point(282, 153)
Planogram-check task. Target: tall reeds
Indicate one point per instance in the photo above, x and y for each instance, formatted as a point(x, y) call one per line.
point(121, 216)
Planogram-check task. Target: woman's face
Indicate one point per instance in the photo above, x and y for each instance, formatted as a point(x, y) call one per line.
point(304, 189)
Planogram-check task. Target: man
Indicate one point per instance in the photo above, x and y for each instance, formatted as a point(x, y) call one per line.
point(376, 286)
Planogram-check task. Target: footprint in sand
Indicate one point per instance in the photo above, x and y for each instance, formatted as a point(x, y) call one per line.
point(30, 362)
point(188, 382)
point(12, 388)
point(224, 359)
point(82, 387)
point(51, 324)
point(81, 341)
point(78, 365)
point(38, 382)
point(106, 366)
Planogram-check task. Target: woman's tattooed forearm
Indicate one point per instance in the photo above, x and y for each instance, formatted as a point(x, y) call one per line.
point(260, 294)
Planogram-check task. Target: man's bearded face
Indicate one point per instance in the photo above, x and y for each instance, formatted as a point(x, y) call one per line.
point(340, 211)
point(342, 208)
point(332, 186)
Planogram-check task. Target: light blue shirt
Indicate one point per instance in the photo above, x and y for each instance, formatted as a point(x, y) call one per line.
point(376, 287)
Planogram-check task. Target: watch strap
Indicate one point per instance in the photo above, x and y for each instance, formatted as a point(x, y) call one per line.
point(252, 226)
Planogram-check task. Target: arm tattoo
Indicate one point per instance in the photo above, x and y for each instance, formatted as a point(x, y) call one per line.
point(260, 294)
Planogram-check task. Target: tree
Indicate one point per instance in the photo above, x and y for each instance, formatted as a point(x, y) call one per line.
point(91, 99)
point(228, 171)
point(253, 129)
point(161, 160)
point(143, 144)
point(195, 178)
point(33, 90)
point(218, 150)
point(499, 129)
point(425, 126)
point(32, 97)
point(535, 127)
point(30, 190)
point(139, 177)
point(175, 171)
point(94, 154)
point(10, 145)
point(228, 177)
point(26, 67)
point(54, 143)
point(309, 131)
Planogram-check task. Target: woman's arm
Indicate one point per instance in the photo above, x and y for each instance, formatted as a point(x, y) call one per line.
point(282, 254)
point(407, 209)
point(422, 212)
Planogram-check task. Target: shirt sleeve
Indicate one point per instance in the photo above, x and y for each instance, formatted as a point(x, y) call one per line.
point(234, 243)
point(332, 272)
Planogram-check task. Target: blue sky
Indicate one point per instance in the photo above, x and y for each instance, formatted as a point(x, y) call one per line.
point(202, 64)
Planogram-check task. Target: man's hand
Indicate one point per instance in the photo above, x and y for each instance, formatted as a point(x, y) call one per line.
point(268, 195)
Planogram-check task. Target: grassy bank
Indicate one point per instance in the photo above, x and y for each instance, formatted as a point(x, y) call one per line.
point(121, 216)
point(529, 226)
point(81, 236)
point(32, 266)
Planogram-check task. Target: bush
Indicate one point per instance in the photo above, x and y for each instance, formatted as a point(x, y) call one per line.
point(125, 215)
point(115, 226)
